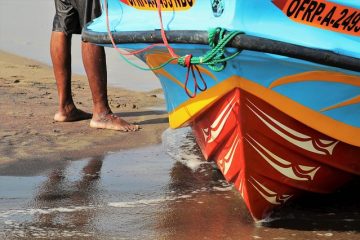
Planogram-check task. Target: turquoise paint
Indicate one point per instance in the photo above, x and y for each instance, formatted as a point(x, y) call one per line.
point(258, 18)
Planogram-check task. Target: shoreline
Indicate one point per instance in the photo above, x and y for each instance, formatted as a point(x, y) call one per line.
point(29, 96)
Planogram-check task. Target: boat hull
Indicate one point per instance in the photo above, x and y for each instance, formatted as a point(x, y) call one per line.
point(269, 156)
point(283, 117)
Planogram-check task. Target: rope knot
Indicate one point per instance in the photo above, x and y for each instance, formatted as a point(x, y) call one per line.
point(187, 61)
point(215, 59)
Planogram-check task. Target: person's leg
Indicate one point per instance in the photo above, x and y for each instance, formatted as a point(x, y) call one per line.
point(60, 50)
point(95, 66)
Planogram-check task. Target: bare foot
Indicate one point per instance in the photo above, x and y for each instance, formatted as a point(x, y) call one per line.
point(72, 116)
point(113, 122)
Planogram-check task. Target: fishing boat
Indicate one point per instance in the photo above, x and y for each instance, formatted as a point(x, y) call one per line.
point(270, 88)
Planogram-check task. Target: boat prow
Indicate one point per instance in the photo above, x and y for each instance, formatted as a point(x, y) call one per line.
point(274, 99)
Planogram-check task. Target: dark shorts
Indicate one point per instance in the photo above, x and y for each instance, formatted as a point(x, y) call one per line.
point(72, 15)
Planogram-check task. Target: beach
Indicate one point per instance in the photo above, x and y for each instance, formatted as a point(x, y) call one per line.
point(70, 181)
point(29, 92)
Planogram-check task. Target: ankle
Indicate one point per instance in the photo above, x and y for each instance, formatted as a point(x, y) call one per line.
point(100, 112)
point(67, 107)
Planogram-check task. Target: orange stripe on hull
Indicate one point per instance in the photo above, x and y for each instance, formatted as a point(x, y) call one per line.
point(349, 102)
point(187, 111)
point(323, 76)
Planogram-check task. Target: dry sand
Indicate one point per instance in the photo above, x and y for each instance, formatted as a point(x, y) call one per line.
point(28, 99)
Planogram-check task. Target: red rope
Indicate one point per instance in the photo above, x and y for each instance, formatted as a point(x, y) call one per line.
point(163, 34)
point(190, 67)
point(196, 85)
point(113, 41)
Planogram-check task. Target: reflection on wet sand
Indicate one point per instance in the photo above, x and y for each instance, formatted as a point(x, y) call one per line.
point(210, 213)
point(145, 195)
point(60, 191)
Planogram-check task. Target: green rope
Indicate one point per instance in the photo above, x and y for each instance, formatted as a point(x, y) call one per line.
point(216, 58)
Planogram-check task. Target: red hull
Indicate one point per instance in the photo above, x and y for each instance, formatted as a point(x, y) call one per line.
point(269, 156)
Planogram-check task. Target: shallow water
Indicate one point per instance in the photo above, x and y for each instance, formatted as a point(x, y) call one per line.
point(150, 194)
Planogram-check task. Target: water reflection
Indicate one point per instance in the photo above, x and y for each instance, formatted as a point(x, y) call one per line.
point(211, 214)
point(58, 187)
point(213, 211)
point(59, 191)
point(144, 194)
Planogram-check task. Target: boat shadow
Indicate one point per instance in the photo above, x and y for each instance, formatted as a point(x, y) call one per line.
point(159, 116)
point(339, 211)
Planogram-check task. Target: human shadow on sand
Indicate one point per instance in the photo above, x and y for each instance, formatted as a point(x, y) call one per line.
point(156, 120)
point(153, 121)
point(141, 113)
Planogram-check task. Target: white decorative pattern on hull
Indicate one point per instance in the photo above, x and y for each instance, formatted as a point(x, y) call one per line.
point(269, 195)
point(229, 157)
point(286, 168)
point(211, 134)
point(298, 139)
point(241, 187)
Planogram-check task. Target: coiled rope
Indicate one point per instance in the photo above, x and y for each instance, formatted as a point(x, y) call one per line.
point(215, 58)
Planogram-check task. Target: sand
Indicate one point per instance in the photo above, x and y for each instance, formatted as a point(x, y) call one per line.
point(28, 99)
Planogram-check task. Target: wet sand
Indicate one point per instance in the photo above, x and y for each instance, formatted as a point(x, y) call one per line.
point(29, 100)
point(146, 194)
point(68, 181)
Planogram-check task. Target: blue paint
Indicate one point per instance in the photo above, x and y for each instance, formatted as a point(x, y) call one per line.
point(259, 18)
